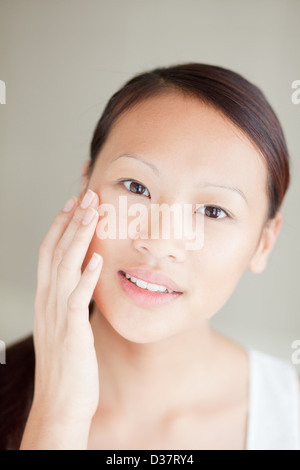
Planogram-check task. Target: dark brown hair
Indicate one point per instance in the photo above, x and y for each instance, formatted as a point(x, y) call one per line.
point(234, 96)
point(242, 102)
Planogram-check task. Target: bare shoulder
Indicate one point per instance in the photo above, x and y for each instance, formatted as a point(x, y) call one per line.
point(232, 354)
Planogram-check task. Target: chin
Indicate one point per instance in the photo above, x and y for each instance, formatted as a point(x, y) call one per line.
point(135, 324)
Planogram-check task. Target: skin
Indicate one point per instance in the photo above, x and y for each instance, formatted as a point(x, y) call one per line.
point(188, 142)
point(136, 377)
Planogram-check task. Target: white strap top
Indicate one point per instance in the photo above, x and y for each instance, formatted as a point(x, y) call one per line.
point(274, 415)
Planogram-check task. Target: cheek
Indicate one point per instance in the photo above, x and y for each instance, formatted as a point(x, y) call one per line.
point(219, 266)
point(112, 250)
point(228, 246)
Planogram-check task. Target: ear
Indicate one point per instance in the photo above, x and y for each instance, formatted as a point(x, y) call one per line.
point(84, 179)
point(266, 243)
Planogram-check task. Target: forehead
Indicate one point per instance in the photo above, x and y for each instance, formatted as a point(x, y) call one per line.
point(182, 135)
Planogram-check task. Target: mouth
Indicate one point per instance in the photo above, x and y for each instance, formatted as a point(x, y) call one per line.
point(159, 288)
point(145, 293)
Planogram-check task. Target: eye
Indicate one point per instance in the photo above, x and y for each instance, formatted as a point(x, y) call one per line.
point(213, 212)
point(135, 187)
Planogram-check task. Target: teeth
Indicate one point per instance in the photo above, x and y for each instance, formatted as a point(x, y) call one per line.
point(148, 285)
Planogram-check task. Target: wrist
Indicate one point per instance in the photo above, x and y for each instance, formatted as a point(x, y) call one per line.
point(50, 430)
point(62, 410)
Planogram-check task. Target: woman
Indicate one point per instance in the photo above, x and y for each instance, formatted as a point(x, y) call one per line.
point(145, 370)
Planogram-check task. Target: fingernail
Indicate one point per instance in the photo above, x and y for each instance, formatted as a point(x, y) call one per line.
point(88, 216)
point(69, 205)
point(86, 201)
point(94, 262)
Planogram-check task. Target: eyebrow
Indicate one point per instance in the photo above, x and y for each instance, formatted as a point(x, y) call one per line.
point(153, 167)
point(202, 185)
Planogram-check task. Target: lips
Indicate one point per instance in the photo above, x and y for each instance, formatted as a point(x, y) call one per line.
point(154, 277)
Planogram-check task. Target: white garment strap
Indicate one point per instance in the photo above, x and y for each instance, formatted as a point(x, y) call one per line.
point(274, 418)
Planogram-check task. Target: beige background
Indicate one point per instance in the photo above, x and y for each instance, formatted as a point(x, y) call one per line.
point(62, 60)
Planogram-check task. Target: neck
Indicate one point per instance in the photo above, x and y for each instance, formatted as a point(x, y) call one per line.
point(153, 379)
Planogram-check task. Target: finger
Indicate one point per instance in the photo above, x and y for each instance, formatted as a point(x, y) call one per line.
point(69, 269)
point(44, 268)
point(90, 200)
point(49, 243)
point(78, 302)
point(74, 256)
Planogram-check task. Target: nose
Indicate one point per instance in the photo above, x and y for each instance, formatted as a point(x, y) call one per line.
point(161, 249)
point(157, 238)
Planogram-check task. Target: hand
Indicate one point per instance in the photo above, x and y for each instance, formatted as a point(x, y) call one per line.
point(66, 392)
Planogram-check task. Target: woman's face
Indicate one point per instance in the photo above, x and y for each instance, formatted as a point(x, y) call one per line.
point(186, 153)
